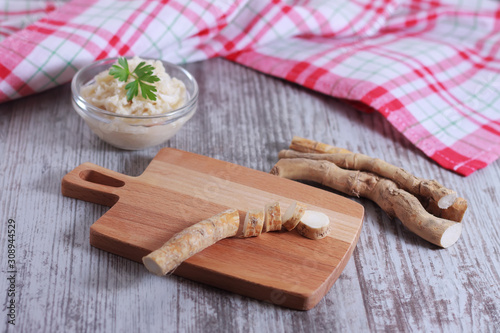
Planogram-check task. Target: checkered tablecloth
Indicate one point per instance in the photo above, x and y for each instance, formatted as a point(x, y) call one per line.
point(431, 67)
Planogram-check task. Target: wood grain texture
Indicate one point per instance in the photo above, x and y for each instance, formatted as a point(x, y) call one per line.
point(394, 282)
point(179, 189)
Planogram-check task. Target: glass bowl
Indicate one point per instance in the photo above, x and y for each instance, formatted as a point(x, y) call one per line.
point(133, 132)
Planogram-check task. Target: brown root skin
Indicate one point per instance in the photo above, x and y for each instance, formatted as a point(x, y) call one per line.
point(192, 240)
point(272, 219)
point(254, 221)
point(311, 146)
point(393, 200)
point(417, 186)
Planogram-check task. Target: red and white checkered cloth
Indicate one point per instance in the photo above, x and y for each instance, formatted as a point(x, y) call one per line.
point(431, 67)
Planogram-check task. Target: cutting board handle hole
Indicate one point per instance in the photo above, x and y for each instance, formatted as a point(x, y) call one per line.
point(99, 178)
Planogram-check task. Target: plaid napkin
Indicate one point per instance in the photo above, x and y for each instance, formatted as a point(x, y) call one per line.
point(431, 67)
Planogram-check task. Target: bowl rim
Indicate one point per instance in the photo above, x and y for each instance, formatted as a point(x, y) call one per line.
point(176, 113)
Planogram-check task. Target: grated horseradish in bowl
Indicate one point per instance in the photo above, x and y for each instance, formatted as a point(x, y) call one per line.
point(101, 101)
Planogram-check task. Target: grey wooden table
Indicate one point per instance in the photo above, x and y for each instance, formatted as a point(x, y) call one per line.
point(393, 282)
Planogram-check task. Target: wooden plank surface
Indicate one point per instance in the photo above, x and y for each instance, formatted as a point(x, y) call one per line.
point(393, 282)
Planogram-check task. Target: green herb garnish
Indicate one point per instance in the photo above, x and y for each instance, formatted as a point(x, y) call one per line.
point(143, 75)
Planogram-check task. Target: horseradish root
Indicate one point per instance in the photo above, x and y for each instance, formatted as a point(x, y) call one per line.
point(445, 205)
point(311, 146)
point(272, 219)
point(254, 221)
point(313, 225)
point(385, 192)
point(192, 240)
point(455, 212)
point(444, 197)
point(293, 215)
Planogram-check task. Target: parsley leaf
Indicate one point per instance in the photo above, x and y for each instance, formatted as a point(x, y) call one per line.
point(120, 73)
point(132, 89)
point(148, 91)
point(143, 74)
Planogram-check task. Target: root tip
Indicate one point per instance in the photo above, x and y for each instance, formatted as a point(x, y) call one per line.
point(447, 201)
point(451, 235)
point(152, 266)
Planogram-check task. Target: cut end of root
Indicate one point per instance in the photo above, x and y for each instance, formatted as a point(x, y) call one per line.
point(314, 225)
point(153, 266)
point(451, 235)
point(293, 215)
point(447, 200)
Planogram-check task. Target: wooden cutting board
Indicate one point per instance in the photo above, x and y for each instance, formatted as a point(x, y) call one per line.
point(179, 189)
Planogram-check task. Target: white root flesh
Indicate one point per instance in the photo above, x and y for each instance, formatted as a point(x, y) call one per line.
point(314, 225)
point(293, 215)
point(272, 219)
point(253, 223)
point(393, 200)
point(192, 240)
